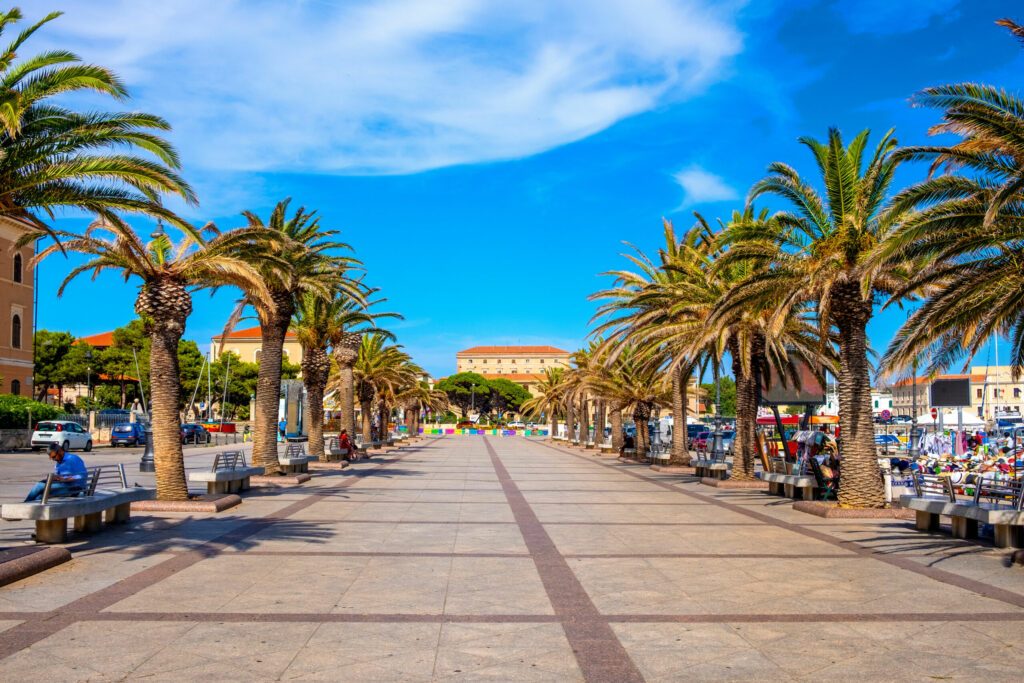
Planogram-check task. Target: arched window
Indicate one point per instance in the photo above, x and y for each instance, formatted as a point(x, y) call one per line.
point(15, 387)
point(16, 331)
point(256, 356)
point(17, 268)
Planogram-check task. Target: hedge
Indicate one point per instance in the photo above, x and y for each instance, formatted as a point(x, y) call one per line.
point(14, 411)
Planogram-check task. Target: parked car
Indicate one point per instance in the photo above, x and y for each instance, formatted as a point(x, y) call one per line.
point(901, 420)
point(516, 425)
point(195, 433)
point(700, 442)
point(705, 441)
point(691, 434)
point(70, 435)
point(127, 434)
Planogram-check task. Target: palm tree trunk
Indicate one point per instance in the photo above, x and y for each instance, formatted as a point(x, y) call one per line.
point(366, 410)
point(860, 482)
point(346, 352)
point(616, 421)
point(584, 421)
point(316, 366)
point(268, 384)
point(570, 421)
point(554, 424)
point(642, 413)
point(165, 306)
point(680, 382)
point(382, 421)
point(747, 390)
point(598, 423)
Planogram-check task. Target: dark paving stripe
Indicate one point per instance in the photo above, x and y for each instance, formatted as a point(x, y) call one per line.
point(599, 654)
point(46, 624)
point(940, 575)
point(383, 618)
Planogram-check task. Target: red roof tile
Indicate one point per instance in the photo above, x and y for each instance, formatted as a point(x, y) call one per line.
point(100, 341)
point(518, 350)
point(249, 333)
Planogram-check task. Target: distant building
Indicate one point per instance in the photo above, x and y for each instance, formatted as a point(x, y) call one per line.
point(994, 392)
point(17, 288)
point(248, 343)
point(524, 365)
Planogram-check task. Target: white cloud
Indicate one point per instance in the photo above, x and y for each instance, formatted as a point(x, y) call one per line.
point(396, 86)
point(701, 186)
point(886, 17)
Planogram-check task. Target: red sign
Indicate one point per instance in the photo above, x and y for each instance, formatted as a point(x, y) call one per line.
point(886, 414)
point(935, 414)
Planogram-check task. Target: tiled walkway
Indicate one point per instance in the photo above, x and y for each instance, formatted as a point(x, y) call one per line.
point(507, 559)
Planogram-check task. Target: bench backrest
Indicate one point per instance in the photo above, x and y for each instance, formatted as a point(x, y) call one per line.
point(777, 465)
point(229, 460)
point(104, 476)
point(295, 450)
point(934, 486)
point(1006, 491)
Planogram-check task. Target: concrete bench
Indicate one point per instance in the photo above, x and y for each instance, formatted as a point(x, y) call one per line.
point(711, 467)
point(107, 497)
point(995, 502)
point(797, 486)
point(660, 458)
point(334, 450)
point(229, 474)
point(294, 460)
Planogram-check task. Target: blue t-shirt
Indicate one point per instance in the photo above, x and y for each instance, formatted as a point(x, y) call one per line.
point(72, 466)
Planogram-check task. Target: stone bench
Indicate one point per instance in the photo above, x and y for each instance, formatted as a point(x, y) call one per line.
point(295, 460)
point(711, 468)
point(796, 486)
point(660, 458)
point(335, 452)
point(229, 474)
point(107, 497)
point(998, 503)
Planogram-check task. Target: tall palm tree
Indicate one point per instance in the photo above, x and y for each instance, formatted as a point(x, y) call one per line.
point(821, 252)
point(314, 268)
point(418, 397)
point(549, 399)
point(168, 272)
point(52, 157)
point(380, 370)
point(968, 225)
point(652, 308)
point(634, 384)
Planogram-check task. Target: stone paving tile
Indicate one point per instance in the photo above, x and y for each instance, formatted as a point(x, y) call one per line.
point(489, 538)
point(367, 652)
point(505, 652)
point(4, 625)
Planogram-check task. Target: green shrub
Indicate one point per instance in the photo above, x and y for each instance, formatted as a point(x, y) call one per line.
point(14, 411)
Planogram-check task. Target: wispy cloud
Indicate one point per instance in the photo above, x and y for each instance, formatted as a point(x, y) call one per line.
point(396, 86)
point(701, 186)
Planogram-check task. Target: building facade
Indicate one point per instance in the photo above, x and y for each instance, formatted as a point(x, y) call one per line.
point(248, 343)
point(17, 289)
point(994, 392)
point(524, 365)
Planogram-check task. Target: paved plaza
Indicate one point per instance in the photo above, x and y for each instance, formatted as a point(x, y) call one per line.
point(508, 559)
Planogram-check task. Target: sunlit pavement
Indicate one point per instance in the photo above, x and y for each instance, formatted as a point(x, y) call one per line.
point(508, 559)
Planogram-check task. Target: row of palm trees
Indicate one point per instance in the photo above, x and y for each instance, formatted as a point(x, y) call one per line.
point(767, 290)
point(290, 269)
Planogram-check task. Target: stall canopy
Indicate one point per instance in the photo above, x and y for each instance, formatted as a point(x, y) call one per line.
point(949, 419)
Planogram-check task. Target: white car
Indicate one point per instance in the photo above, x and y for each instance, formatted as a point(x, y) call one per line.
point(516, 425)
point(70, 435)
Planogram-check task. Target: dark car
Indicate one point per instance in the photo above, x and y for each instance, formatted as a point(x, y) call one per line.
point(194, 433)
point(127, 434)
point(700, 442)
point(691, 434)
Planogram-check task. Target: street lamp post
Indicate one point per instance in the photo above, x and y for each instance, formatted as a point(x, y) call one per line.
point(88, 381)
point(472, 399)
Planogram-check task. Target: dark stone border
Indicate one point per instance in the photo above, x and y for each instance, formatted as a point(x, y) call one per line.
point(599, 653)
point(205, 504)
point(20, 563)
point(833, 511)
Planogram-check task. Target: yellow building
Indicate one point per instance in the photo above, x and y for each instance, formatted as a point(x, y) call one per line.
point(247, 343)
point(994, 392)
point(16, 291)
point(524, 365)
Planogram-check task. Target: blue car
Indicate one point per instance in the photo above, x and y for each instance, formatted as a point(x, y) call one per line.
point(127, 434)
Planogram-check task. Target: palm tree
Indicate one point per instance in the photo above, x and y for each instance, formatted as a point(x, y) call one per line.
point(320, 324)
point(550, 398)
point(312, 268)
point(52, 157)
point(968, 226)
point(634, 384)
point(652, 309)
point(164, 303)
point(821, 252)
point(417, 397)
point(379, 371)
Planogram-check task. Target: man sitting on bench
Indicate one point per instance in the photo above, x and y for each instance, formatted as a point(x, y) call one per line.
point(68, 479)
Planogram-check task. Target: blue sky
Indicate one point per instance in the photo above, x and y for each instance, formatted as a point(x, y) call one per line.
point(487, 160)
